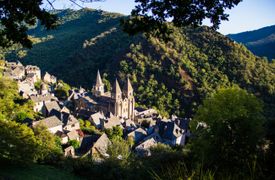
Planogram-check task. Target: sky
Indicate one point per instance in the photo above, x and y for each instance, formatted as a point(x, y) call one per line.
point(248, 15)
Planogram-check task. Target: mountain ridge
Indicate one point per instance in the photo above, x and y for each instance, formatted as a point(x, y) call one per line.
point(260, 41)
point(172, 77)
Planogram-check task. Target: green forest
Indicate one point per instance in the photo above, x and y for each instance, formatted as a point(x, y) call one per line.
point(198, 73)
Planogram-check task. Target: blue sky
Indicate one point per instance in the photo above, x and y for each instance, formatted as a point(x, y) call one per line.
point(248, 15)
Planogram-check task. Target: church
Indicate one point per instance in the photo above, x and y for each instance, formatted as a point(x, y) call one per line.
point(120, 103)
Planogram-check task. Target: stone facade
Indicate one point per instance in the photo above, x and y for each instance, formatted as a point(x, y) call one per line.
point(33, 71)
point(121, 103)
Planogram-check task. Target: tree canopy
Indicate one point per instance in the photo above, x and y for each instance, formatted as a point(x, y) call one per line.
point(228, 128)
point(151, 15)
point(17, 16)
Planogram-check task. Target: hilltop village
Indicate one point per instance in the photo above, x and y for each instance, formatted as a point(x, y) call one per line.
point(101, 110)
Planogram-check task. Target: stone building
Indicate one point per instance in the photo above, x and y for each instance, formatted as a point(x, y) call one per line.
point(121, 103)
point(49, 78)
point(33, 71)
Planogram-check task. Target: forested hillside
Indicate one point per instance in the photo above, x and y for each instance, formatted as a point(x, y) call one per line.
point(261, 41)
point(171, 76)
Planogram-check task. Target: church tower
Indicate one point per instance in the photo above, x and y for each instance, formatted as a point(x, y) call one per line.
point(129, 97)
point(99, 86)
point(116, 95)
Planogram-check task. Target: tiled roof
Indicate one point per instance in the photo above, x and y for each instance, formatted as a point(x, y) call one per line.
point(49, 122)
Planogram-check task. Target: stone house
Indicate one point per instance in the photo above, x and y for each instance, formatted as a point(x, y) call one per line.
point(171, 133)
point(33, 72)
point(47, 78)
point(52, 123)
point(26, 89)
point(15, 71)
point(50, 106)
point(137, 135)
point(143, 149)
point(70, 122)
point(96, 119)
point(100, 147)
point(63, 136)
point(40, 100)
point(73, 135)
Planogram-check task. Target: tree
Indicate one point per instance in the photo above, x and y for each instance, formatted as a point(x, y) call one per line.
point(74, 143)
point(228, 129)
point(151, 15)
point(13, 107)
point(48, 143)
point(17, 143)
point(119, 149)
point(16, 16)
point(62, 90)
point(115, 133)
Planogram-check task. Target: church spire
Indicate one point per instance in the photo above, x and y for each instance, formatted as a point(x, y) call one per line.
point(128, 89)
point(116, 91)
point(98, 79)
point(99, 86)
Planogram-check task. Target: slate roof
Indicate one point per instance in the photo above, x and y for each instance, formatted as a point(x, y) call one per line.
point(101, 145)
point(148, 142)
point(52, 105)
point(111, 122)
point(49, 122)
point(169, 130)
point(183, 123)
point(96, 117)
point(41, 98)
point(87, 143)
point(138, 134)
point(69, 120)
point(30, 75)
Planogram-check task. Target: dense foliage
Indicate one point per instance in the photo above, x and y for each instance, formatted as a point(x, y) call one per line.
point(261, 41)
point(19, 143)
point(228, 128)
point(16, 16)
point(150, 15)
point(13, 106)
point(62, 90)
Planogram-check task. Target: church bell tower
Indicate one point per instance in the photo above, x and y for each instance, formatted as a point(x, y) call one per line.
point(98, 89)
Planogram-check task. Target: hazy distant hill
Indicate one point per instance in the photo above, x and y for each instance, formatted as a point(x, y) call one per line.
point(261, 42)
point(170, 76)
